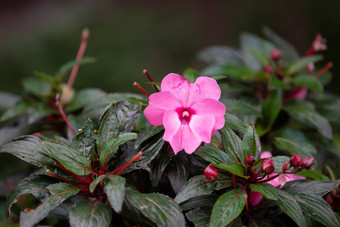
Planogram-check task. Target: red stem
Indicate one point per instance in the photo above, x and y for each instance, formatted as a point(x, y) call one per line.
point(82, 179)
point(323, 70)
point(234, 181)
point(65, 180)
point(63, 115)
point(140, 88)
point(151, 80)
point(121, 168)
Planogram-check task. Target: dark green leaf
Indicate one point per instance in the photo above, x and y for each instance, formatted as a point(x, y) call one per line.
point(190, 74)
point(29, 149)
point(250, 142)
point(234, 168)
point(84, 142)
point(294, 147)
point(232, 143)
point(90, 214)
point(317, 208)
point(199, 201)
point(115, 190)
point(160, 209)
point(289, 206)
point(96, 181)
point(275, 83)
point(35, 185)
point(71, 159)
point(278, 162)
point(84, 97)
point(178, 171)
point(267, 190)
point(239, 72)
point(235, 123)
point(301, 64)
point(220, 55)
point(119, 118)
point(19, 108)
point(271, 107)
point(69, 65)
point(313, 174)
point(199, 216)
point(195, 186)
point(227, 208)
point(46, 77)
point(213, 155)
point(157, 166)
point(36, 87)
point(64, 191)
point(314, 187)
point(147, 134)
point(240, 108)
point(309, 81)
point(111, 147)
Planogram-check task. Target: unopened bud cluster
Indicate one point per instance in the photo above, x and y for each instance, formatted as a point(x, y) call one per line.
point(210, 172)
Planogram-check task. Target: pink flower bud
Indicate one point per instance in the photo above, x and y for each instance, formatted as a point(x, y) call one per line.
point(307, 163)
point(285, 166)
point(319, 43)
point(275, 54)
point(296, 161)
point(310, 67)
point(267, 166)
point(250, 159)
point(210, 172)
point(268, 69)
point(37, 134)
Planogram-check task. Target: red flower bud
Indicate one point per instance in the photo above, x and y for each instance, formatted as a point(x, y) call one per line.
point(267, 166)
point(285, 166)
point(310, 67)
point(275, 54)
point(268, 69)
point(250, 159)
point(210, 172)
point(307, 163)
point(296, 161)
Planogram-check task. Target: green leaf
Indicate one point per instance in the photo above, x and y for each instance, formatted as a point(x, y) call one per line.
point(84, 97)
point(18, 109)
point(317, 208)
point(90, 214)
point(305, 80)
point(271, 107)
point(314, 187)
point(278, 162)
point(289, 206)
point(234, 168)
point(71, 159)
point(239, 72)
point(267, 190)
point(199, 216)
point(178, 171)
point(69, 65)
point(250, 142)
point(115, 190)
point(313, 174)
point(46, 77)
point(147, 134)
point(111, 147)
point(195, 186)
point(119, 118)
point(227, 208)
point(213, 155)
point(302, 63)
point(29, 149)
point(294, 147)
point(36, 87)
point(35, 185)
point(232, 143)
point(95, 182)
point(85, 140)
point(235, 123)
point(240, 108)
point(190, 74)
point(199, 201)
point(275, 83)
point(64, 191)
point(160, 209)
point(220, 55)
point(157, 166)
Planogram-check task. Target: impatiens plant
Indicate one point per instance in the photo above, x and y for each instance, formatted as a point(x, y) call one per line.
point(194, 153)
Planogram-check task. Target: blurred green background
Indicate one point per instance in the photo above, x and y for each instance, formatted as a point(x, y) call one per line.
point(161, 36)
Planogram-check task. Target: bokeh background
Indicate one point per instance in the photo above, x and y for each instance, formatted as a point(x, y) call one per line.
point(161, 36)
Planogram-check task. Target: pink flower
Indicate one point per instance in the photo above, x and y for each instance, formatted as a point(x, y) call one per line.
point(190, 113)
point(255, 197)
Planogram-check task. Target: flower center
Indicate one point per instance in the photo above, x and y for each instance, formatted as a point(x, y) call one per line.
point(184, 115)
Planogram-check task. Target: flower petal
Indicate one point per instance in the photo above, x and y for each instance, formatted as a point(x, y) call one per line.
point(211, 107)
point(178, 86)
point(154, 115)
point(202, 126)
point(208, 88)
point(266, 154)
point(190, 142)
point(172, 124)
point(164, 100)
